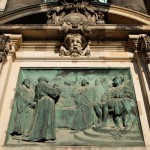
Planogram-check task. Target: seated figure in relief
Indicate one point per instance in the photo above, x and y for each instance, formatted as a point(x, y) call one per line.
point(119, 99)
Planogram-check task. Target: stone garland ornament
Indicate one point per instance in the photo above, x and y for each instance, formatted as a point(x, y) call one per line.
point(75, 17)
point(75, 45)
point(4, 47)
point(75, 14)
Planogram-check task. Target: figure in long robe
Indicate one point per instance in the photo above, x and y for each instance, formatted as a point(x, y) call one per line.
point(99, 91)
point(85, 99)
point(25, 108)
point(44, 124)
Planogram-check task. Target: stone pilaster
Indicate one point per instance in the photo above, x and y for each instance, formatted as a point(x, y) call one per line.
point(140, 45)
point(144, 48)
point(4, 49)
point(6, 64)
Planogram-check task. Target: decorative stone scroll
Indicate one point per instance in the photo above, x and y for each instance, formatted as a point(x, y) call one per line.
point(144, 46)
point(4, 47)
point(144, 42)
point(75, 14)
point(75, 17)
point(75, 45)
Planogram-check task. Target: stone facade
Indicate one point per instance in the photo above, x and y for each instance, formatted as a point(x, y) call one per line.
point(81, 34)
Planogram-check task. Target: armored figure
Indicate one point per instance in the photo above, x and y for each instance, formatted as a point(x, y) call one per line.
point(119, 99)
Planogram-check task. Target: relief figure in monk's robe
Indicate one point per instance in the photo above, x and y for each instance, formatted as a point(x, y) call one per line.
point(44, 125)
point(25, 108)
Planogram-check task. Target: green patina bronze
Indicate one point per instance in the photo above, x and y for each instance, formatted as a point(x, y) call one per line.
point(95, 100)
point(25, 106)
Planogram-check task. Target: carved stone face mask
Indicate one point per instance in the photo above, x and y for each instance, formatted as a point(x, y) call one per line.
point(75, 45)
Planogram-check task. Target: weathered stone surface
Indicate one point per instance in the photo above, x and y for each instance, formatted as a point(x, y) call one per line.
point(147, 3)
point(14, 4)
point(4, 47)
point(75, 45)
point(137, 5)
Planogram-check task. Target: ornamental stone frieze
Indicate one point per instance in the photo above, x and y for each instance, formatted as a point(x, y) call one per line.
point(75, 45)
point(4, 47)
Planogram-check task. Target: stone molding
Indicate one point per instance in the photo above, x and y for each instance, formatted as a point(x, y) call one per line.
point(40, 8)
point(132, 14)
point(8, 46)
point(3, 5)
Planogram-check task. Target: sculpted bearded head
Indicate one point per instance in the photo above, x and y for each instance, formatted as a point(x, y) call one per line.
point(74, 43)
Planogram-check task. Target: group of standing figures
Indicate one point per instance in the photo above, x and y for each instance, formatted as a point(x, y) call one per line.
point(35, 114)
point(34, 118)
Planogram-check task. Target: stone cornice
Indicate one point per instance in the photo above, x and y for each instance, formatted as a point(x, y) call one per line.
point(57, 27)
point(3, 5)
point(101, 32)
point(123, 13)
point(129, 13)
